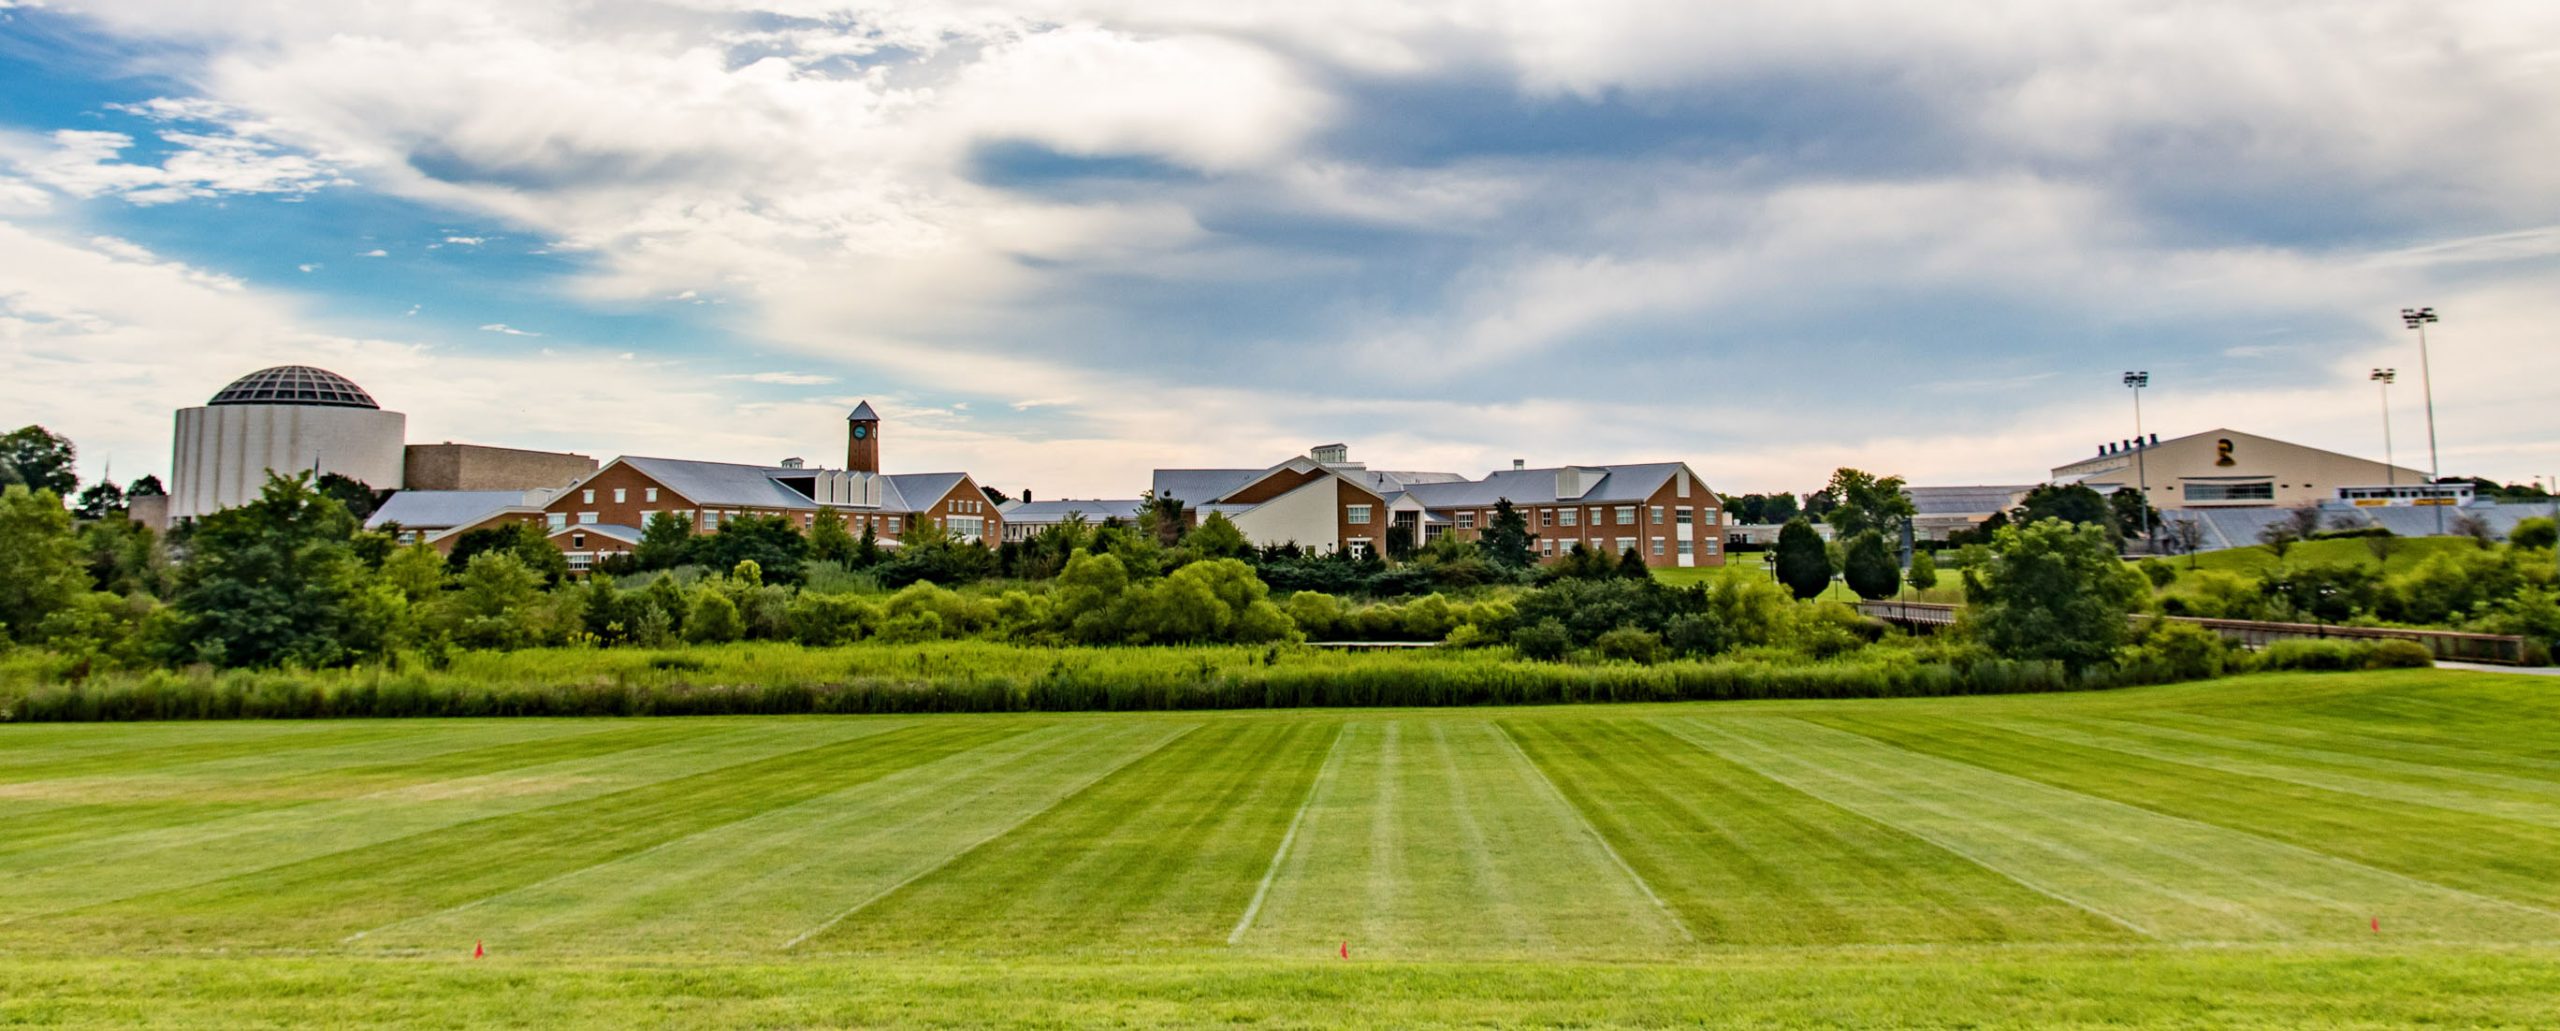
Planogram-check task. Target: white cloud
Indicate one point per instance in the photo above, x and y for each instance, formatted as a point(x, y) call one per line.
point(466, 241)
point(308, 267)
point(790, 379)
point(375, 253)
point(501, 327)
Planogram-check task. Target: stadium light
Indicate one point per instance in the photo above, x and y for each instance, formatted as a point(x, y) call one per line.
point(2390, 466)
point(2417, 319)
point(2141, 472)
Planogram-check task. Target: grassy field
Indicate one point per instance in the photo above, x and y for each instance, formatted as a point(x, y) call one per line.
point(2343, 850)
point(2405, 553)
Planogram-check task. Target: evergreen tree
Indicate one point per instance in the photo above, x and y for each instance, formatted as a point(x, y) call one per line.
point(828, 539)
point(1924, 570)
point(1869, 568)
point(1631, 566)
point(866, 549)
point(1803, 563)
point(1507, 541)
point(102, 500)
point(667, 542)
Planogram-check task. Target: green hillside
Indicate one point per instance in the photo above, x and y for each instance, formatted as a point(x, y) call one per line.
point(2106, 857)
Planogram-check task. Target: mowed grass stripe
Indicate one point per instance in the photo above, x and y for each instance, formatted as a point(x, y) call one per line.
point(1163, 852)
point(2500, 858)
point(99, 870)
point(751, 885)
point(325, 899)
point(2171, 877)
point(1435, 836)
point(2412, 784)
point(1280, 854)
point(1747, 860)
point(1601, 840)
point(97, 806)
point(56, 751)
point(2360, 741)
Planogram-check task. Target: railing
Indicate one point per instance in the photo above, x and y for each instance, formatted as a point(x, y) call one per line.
point(2443, 644)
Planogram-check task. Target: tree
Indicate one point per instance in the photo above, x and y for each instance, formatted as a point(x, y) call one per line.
point(771, 542)
point(493, 604)
point(1869, 567)
point(528, 542)
point(828, 539)
point(1631, 566)
point(2070, 503)
point(668, 541)
point(1866, 502)
point(277, 581)
point(2467, 525)
point(2189, 535)
point(1924, 570)
point(1803, 564)
point(416, 571)
point(2052, 590)
point(146, 487)
point(2279, 537)
point(1218, 537)
point(2329, 593)
point(2131, 510)
point(124, 557)
point(41, 564)
point(1507, 541)
point(2537, 532)
point(359, 498)
point(102, 500)
point(41, 459)
point(866, 548)
point(931, 554)
point(712, 618)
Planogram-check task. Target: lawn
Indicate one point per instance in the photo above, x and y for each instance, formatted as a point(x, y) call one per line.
point(2364, 849)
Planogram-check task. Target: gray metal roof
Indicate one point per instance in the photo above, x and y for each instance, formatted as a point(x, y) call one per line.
point(723, 484)
point(438, 509)
point(1970, 500)
point(1618, 483)
point(1094, 511)
point(1197, 486)
point(862, 412)
point(915, 492)
point(625, 534)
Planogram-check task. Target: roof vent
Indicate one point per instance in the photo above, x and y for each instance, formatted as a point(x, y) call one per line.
point(792, 463)
point(1330, 454)
point(1518, 464)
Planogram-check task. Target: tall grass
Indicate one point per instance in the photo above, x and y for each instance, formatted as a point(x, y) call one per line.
point(978, 677)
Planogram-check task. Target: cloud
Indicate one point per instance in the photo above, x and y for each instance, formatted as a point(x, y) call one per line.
point(792, 379)
point(466, 241)
point(375, 253)
point(501, 327)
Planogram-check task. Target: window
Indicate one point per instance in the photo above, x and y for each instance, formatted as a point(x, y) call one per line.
point(1466, 520)
point(587, 496)
point(620, 495)
point(577, 540)
point(968, 527)
point(580, 561)
point(1626, 515)
point(1546, 517)
point(1657, 545)
point(1359, 545)
point(1570, 514)
point(1711, 545)
point(1625, 545)
point(649, 494)
point(1657, 515)
point(2231, 491)
point(1546, 546)
point(586, 519)
point(1356, 515)
point(1681, 515)
point(895, 522)
point(1688, 548)
point(559, 520)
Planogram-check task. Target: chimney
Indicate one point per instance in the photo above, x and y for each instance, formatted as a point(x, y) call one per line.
point(1518, 464)
point(2155, 440)
point(1026, 495)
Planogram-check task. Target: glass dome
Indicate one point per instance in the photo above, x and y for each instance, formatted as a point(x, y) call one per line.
point(295, 385)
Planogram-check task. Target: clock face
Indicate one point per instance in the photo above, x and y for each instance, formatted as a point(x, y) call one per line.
point(860, 432)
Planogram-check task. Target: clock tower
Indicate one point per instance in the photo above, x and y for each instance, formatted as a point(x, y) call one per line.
point(862, 440)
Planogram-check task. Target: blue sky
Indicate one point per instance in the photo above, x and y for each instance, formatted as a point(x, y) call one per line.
point(1062, 242)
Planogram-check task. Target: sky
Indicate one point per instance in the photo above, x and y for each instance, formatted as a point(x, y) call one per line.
point(1060, 243)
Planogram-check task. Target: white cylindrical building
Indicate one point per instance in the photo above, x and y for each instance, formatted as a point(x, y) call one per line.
point(291, 418)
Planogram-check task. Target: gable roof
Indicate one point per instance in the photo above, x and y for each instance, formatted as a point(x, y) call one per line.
point(722, 483)
point(1201, 486)
point(862, 413)
point(1617, 483)
point(625, 534)
point(437, 509)
point(1094, 511)
point(915, 492)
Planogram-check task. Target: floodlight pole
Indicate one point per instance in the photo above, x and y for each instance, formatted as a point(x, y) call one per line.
point(2141, 469)
point(2390, 465)
point(2417, 319)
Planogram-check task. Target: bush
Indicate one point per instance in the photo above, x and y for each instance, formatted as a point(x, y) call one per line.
point(1545, 640)
point(2334, 655)
point(2537, 532)
point(1630, 644)
point(713, 618)
point(2179, 651)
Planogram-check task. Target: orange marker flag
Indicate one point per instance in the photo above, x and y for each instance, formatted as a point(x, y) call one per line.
point(478, 951)
point(1346, 950)
point(2377, 925)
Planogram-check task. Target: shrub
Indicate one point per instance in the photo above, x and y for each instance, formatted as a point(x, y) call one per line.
point(2161, 574)
point(2330, 655)
point(2180, 651)
point(1924, 570)
point(713, 618)
point(2537, 532)
point(1545, 640)
point(1631, 644)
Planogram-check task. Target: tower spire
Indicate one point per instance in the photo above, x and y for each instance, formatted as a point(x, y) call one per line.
point(862, 439)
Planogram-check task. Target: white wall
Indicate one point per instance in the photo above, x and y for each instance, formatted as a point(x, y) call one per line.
point(223, 452)
point(1310, 515)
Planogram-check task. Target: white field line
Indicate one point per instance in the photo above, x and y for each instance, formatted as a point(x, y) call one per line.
point(973, 846)
point(626, 857)
point(2020, 879)
point(1324, 775)
point(1593, 830)
point(2340, 783)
